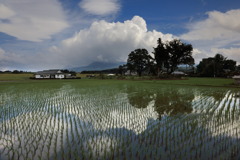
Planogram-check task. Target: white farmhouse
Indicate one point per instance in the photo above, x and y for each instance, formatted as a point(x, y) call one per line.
point(51, 74)
point(237, 79)
point(178, 73)
point(129, 73)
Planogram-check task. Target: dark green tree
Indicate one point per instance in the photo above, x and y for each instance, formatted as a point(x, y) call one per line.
point(219, 61)
point(139, 60)
point(238, 69)
point(230, 64)
point(161, 56)
point(152, 68)
point(217, 66)
point(179, 53)
point(17, 71)
point(122, 69)
point(130, 67)
point(172, 54)
point(65, 71)
point(206, 67)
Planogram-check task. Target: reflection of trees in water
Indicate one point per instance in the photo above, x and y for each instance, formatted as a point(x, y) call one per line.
point(79, 129)
point(139, 97)
point(218, 95)
point(170, 101)
point(173, 102)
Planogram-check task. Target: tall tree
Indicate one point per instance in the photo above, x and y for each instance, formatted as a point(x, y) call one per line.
point(139, 60)
point(179, 53)
point(161, 55)
point(170, 55)
point(215, 66)
point(230, 64)
point(238, 68)
point(122, 69)
point(206, 67)
point(219, 61)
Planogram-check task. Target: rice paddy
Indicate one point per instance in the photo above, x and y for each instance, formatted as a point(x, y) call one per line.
point(118, 121)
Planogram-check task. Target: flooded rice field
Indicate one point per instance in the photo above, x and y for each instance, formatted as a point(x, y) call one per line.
point(124, 121)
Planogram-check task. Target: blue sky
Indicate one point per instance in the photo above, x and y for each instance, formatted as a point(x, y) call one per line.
point(36, 35)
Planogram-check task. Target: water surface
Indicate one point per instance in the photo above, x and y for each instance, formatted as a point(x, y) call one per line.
point(138, 120)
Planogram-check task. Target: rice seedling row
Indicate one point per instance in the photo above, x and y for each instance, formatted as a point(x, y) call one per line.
point(69, 123)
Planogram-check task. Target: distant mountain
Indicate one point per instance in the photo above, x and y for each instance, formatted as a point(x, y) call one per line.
point(97, 66)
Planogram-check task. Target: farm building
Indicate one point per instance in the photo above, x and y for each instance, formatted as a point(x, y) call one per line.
point(52, 74)
point(129, 73)
point(237, 79)
point(178, 73)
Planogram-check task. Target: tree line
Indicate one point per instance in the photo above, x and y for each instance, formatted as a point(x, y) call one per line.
point(217, 66)
point(14, 71)
point(167, 57)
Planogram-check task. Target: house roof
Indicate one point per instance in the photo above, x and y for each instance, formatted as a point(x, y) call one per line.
point(236, 77)
point(51, 71)
point(178, 73)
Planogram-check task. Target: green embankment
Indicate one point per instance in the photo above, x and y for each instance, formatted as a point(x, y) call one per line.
point(15, 77)
point(217, 82)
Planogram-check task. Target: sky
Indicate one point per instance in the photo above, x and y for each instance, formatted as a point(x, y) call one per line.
point(51, 34)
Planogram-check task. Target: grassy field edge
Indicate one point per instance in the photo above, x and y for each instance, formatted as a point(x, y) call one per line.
point(214, 82)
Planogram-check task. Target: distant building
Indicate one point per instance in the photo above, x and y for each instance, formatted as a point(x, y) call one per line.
point(178, 73)
point(52, 74)
point(237, 79)
point(111, 74)
point(129, 73)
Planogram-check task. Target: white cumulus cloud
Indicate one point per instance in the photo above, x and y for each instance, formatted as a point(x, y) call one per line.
point(231, 53)
point(101, 41)
point(216, 34)
point(32, 20)
point(5, 12)
point(100, 7)
point(218, 25)
point(107, 42)
point(10, 61)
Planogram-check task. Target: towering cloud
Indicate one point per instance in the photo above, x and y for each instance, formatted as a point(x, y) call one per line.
point(102, 41)
point(108, 42)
